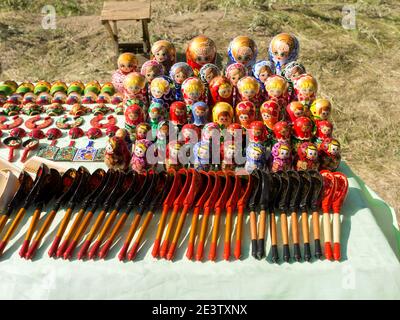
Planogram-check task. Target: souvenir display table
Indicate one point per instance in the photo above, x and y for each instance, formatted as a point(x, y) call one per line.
point(369, 268)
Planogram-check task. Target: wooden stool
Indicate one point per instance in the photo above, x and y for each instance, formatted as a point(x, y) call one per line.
point(138, 10)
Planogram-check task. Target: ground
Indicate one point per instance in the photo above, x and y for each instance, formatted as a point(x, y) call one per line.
point(358, 69)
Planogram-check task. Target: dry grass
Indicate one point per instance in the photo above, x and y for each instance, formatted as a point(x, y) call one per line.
point(357, 69)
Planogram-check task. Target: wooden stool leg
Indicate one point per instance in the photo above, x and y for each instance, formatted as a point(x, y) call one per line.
point(146, 37)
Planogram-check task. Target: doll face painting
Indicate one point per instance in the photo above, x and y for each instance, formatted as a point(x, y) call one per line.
point(133, 116)
point(266, 116)
point(203, 153)
point(281, 51)
point(161, 55)
point(194, 95)
point(255, 154)
point(265, 72)
point(180, 112)
point(225, 91)
point(307, 91)
point(200, 112)
point(244, 118)
point(134, 88)
point(244, 55)
point(326, 130)
point(325, 114)
point(109, 149)
point(180, 76)
point(151, 73)
point(299, 113)
point(311, 153)
point(235, 76)
point(139, 151)
point(157, 92)
point(155, 114)
point(248, 93)
point(283, 153)
point(275, 92)
point(141, 133)
point(295, 72)
point(210, 73)
point(164, 131)
point(333, 149)
point(204, 56)
point(127, 66)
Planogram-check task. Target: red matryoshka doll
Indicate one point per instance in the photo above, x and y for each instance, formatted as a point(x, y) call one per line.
point(135, 87)
point(302, 131)
point(307, 157)
point(192, 90)
point(142, 130)
point(257, 132)
point(190, 133)
point(177, 113)
point(283, 48)
point(235, 133)
point(281, 157)
point(172, 155)
point(208, 72)
point(294, 110)
point(151, 69)
point(245, 113)
point(133, 116)
point(164, 52)
point(249, 90)
point(243, 50)
point(324, 130)
point(282, 131)
point(234, 73)
point(270, 112)
point(139, 161)
point(276, 88)
point(329, 154)
point(223, 114)
point(127, 63)
point(320, 109)
point(200, 51)
point(306, 88)
point(179, 72)
point(221, 90)
point(209, 130)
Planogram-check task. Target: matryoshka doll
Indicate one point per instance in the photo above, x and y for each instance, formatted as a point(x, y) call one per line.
point(156, 114)
point(209, 131)
point(302, 131)
point(134, 88)
point(177, 114)
point(138, 161)
point(199, 113)
point(172, 155)
point(127, 63)
point(294, 110)
point(306, 88)
point(142, 130)
point(320, 109)
point(162, 137)
point(164, 52)
point(281, 157)
point(257, 132)
point(237, 134)
point(179, 72)
point(229, 153)
point(151, 69)
point(163, 91)
point(255, 157)
point(133, 116)
point(200, 51)
point(190, 133)
point(292, 71)
point(201, 154)
point(324, 130)
point(276, 88)
point(261, 71)
point(249, 90)
point(221, 90)
point(245, 113)
point(208, 72)
point(307, 157)
point(329, 154)
point(270, 112)
point(223, 114)
point(234, 73)
point(243, 50)
point(283, 48)
point(282, 132)
point(193, 91)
